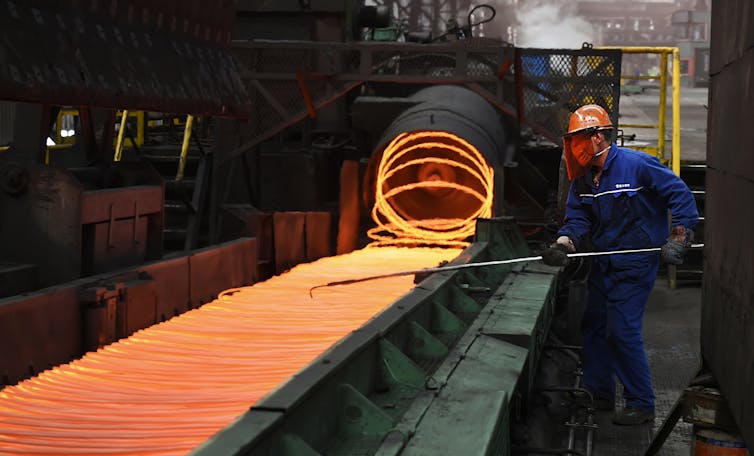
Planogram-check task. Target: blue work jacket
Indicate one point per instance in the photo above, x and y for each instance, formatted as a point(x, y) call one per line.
point(629, 208)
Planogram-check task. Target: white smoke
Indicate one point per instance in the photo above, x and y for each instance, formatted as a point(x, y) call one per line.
point(551, 24)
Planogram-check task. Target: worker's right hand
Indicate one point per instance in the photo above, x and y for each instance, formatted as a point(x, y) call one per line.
point(556, 255)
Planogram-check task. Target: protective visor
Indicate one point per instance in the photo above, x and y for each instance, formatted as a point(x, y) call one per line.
point(578, 153)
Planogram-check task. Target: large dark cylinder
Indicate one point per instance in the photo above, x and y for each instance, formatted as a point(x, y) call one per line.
point(449, 109)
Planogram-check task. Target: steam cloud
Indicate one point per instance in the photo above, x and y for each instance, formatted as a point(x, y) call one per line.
point(551, 24)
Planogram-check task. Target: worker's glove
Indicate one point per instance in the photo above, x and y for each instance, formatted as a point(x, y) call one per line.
point(556, 255)
point(675, 247)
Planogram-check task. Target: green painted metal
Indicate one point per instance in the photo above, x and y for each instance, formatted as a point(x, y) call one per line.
point(424, 345)
point(359, 416)
point(523, 317)
point(243, 434)
point(431, 374)
point(292, 445)
point(464, 418)
point(398, 369)
point(445, 321)
point(461, 303)
point(471, 279)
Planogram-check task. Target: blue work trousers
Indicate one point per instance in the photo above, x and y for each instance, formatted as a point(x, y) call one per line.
point(612, 330)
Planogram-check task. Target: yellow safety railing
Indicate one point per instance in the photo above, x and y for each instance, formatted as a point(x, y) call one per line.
point(120, 141)
point(184, 148)
point(659, 151)
point(47, 150)
point(67, 117)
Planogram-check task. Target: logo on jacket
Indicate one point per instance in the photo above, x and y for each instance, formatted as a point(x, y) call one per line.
point(622, 185)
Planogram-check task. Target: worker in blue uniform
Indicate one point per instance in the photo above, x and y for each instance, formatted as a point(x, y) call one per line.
point(619, 199)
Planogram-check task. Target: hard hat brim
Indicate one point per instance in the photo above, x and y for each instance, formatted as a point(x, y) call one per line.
point(589, 130)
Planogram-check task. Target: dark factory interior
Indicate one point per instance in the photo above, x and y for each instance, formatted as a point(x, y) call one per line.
point(322, 227)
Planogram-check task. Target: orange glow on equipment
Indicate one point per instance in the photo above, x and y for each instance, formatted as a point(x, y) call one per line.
point(168, 388)
point(431, 186)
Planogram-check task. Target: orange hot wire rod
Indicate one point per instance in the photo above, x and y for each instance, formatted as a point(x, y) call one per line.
point(166, 389)
point(393, 228)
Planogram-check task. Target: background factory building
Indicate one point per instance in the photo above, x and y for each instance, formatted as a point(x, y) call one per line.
point(190, 192)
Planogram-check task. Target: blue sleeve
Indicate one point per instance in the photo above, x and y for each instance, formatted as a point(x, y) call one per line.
point(673, 192)
point(577, 222)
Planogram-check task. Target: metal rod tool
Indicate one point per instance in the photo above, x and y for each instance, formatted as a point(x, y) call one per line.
point(482, 264)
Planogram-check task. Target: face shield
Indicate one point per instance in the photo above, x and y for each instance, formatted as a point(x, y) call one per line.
point(579, 152)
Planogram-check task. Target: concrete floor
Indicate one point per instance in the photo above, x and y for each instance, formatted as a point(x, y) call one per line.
point(644, 109)
point(671, 335)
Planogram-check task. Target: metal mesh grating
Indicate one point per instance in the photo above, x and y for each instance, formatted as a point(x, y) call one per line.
point(551, 83)
point(556, 82)
point(271, 73)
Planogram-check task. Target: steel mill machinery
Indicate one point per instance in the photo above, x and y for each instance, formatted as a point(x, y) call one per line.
point(158, 155)
point(159, 159)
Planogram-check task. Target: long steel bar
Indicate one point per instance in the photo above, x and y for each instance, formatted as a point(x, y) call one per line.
point(484, 263)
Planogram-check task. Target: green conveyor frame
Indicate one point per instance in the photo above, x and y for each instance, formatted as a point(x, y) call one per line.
point(437, 372)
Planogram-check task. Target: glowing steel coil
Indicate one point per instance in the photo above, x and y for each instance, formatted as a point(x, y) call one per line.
point(166, 389)
point(431, 186)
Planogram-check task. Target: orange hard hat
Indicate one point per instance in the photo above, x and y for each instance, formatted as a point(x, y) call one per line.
point(589, 117)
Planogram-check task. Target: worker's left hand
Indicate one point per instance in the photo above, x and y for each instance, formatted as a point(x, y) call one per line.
point(672, 252)
point(677, 244)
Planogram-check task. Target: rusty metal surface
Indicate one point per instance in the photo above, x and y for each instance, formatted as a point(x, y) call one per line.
point(113, 245)
point(728, 305)
point(318, 235)
point(171, 285)
point(67, 231)
point(39, 330)
point(117, 203)
point(139, 309)
point(707, 407)
point(43, 225)
point(244, 220)
point(17, 278)
point(115, 307)
point(217, 268)
point(289, 230)
point(46, 328)
point(167, 57)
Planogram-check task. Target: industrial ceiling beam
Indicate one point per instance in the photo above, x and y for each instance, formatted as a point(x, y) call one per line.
point(129, 54)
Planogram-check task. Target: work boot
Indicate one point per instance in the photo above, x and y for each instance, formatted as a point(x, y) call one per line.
point(631, 416)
